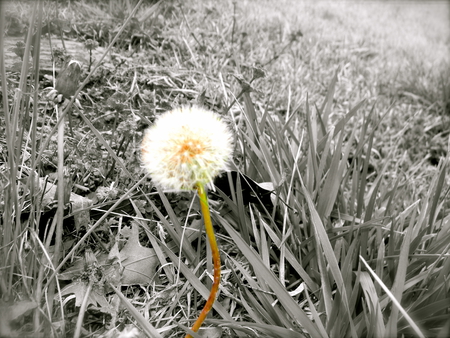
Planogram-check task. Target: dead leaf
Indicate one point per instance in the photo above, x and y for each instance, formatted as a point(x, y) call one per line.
point(78, 289)
point(139, 263)
point(137, 266)
point(74, 271)
point(96, 297)
point(114, 252)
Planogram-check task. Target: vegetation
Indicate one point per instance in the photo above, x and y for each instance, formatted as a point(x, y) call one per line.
point(333, 221)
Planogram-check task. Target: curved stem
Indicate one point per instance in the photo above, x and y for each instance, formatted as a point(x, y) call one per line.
point(215, 256)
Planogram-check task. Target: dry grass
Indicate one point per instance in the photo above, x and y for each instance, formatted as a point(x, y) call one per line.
point(341, 109)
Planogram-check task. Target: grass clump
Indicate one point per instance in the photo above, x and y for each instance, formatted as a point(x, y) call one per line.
point(332, 221)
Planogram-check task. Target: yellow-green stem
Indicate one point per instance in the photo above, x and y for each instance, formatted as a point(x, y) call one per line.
point(215, 256)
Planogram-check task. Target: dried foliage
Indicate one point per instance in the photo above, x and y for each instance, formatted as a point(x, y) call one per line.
point(332, 222)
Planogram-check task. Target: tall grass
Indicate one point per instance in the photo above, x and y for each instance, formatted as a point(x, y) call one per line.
point(330, 224)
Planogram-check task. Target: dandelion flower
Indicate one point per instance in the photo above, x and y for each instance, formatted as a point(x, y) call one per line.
point(186, 147)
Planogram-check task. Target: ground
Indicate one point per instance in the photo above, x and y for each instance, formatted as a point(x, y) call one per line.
point(331, 221)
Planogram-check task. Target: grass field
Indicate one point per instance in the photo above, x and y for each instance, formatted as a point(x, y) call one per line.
point(332, 221)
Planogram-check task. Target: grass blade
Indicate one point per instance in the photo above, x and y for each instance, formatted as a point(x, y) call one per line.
point(148, 328)
point(283, 296)
point(329, 255)
point(394, 300)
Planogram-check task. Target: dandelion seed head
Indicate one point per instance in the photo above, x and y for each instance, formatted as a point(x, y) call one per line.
point(186, 146)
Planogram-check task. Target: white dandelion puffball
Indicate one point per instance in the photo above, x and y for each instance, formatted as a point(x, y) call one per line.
point(186, 147)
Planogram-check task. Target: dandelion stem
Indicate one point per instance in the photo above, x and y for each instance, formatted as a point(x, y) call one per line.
point(215, 256)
